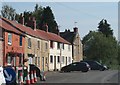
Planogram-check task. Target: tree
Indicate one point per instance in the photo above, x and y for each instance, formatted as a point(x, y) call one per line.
point(8, 12)
point(99, 47)
point(104, 27)
point(48, 17)
point(37, 13)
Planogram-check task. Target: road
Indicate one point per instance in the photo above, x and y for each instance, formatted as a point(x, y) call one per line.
point(109, 76)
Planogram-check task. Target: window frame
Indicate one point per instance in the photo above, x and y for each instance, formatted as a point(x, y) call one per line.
point(29, 42)
point(20, 43)
point(51, 58)
point(9, 39)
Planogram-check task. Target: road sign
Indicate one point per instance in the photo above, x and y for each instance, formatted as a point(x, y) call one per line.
point(9, 74)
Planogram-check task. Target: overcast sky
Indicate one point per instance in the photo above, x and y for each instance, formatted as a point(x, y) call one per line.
point(86, 14)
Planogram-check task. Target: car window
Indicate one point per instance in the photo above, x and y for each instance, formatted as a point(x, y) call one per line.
point(74, 64)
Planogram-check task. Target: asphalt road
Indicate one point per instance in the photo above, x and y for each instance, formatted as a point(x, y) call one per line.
point(109, 76)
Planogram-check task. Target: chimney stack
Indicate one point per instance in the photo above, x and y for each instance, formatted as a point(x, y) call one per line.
point(34, 23)
point(21, 19)
point(46, 27)
point(75, 30)
point(31, 22)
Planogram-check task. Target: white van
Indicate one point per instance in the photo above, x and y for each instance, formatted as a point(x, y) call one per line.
point(2, 78)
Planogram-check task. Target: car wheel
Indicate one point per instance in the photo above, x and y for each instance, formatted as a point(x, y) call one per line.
point(102, 69)
point(84, 70)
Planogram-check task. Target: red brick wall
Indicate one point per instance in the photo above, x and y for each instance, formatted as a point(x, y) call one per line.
point(14, 47)
point(1, 53)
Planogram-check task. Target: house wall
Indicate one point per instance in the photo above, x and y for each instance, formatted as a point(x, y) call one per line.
point(44, 55)
point(55, 52)
point(40, 55)
point(14, 49)
point(77, 49)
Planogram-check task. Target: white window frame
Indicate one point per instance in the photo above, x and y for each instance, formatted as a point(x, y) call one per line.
point(69, 47)
point(29, 42)
point(51, 58)
point(9, 39)
point(9, 59)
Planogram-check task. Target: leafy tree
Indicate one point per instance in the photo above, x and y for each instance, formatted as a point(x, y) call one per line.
point(104, 27)
point(8, 12)
point(99, 47)
point(43, 16)
point(48, 17)
point(37, 13)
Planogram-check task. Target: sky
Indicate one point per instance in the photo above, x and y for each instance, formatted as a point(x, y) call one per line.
point(86, 14)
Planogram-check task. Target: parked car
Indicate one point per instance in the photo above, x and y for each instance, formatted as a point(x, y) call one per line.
point(2, 77)
point(76, 66)
point(94, 65)
point(39, 73)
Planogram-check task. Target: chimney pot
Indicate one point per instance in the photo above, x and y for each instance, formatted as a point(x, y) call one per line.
point(46, 27)
point(75, 29)
point(21, 19)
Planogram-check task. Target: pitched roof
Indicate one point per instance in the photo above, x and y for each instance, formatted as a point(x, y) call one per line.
point(24, 29)
point(38, 33)
point(8, 27)
point(69, 36)
point(52, 36)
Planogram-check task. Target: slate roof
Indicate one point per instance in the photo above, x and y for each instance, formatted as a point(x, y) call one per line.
point(69, 36)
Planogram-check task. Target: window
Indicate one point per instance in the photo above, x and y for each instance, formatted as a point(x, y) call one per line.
point(62, 45)
point(46, 46)
point(20, 40)
point(9, 38)
point(69, 47)
point(51, 59)
point(29, 42)
point(58, 59)
point(46, 60)
point(51, 44)
point(38, 44)
point(35, 60)
point(69, 60)
point(9, 59)
point(58, 45)
point(39, 61)
point(20, 59)
point(63, 59)
point(30, 60)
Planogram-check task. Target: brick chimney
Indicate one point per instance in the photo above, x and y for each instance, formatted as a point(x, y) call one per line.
point(75, 30)
point(31, 22)
point(58, 31)
point(21, 19)
point(34, 23)
point(45, 27)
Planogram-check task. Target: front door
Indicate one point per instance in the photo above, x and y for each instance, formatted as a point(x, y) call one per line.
point(43, 63)
point(54, 62)
point(66, 60)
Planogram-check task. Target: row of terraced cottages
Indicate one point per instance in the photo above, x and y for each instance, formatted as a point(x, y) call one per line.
point(20, 45)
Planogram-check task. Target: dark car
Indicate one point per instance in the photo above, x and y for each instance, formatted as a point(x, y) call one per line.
point(76, 66)
point(94, 65)
point(39, 73)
